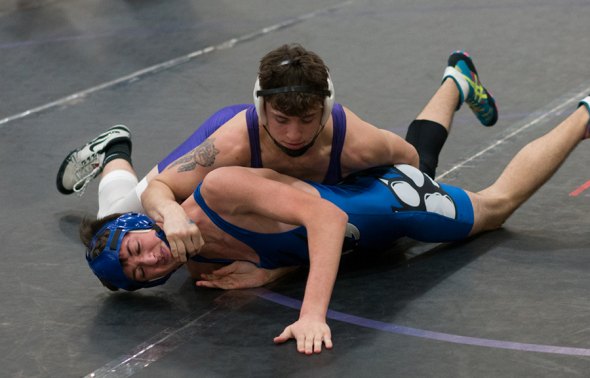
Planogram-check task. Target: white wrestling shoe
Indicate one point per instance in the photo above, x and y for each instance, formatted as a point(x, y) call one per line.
point(85, 163)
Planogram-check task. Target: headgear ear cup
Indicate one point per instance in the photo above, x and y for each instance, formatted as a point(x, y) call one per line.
point(328, 101)
point(259, 102)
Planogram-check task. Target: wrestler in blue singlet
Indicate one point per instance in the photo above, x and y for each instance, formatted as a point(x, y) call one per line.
point(383, 204)
point(333, 175)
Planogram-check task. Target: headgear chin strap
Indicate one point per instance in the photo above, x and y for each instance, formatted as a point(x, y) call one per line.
point(259, 94)
point(106, 266)
point(298, 152)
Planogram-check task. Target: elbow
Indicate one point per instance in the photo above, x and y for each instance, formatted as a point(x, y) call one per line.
point(338, 216)
point(413, 157)
point(343, 216)
point(325, 214)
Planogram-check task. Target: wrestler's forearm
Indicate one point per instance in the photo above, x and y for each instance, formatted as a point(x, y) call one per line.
point(325, 239)
point(401, 152)
point(183, 236)
point(158, 201)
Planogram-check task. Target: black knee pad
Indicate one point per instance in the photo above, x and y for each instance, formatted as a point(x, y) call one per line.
point(428, 138)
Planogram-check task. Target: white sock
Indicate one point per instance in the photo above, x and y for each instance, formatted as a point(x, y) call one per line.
point(117, 193)
point(460, 81)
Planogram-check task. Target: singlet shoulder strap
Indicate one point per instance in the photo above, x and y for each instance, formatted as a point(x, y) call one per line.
point(334, 174)
point(254, 136)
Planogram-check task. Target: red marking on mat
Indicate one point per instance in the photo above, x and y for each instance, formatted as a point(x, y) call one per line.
point(580, 189)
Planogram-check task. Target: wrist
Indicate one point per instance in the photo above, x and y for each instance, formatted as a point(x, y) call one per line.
point(312, 315)
point(274, 274)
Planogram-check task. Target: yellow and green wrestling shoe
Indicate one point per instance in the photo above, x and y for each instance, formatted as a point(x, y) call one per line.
point(462, 70)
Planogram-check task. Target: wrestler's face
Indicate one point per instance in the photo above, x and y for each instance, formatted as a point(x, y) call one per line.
point(144, 257)
point(291, 132)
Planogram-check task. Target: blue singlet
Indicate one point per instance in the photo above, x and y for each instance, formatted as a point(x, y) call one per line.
point(383, 204)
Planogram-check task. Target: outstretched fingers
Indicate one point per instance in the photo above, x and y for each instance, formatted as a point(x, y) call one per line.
point(222, 278)
point(309, 339)
point(237, 275)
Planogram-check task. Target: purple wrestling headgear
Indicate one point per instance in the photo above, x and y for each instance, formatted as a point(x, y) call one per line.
point(107, 266)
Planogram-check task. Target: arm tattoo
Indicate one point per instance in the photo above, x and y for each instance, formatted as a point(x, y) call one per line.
point(203, 155)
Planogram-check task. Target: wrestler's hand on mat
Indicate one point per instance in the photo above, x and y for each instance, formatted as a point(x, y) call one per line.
point(241, 275)
point(309, 333)
point(183, 236)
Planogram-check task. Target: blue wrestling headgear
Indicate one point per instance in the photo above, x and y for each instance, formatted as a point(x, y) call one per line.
point(106, 266)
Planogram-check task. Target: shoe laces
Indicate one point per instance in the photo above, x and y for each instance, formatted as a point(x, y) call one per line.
point(85, 181)
point(82, 183)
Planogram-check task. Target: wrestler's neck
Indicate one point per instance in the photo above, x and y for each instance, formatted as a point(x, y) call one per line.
point(311, 165)
point(217, 244)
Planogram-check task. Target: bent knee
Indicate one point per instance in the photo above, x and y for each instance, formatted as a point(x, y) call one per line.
point(490, 211)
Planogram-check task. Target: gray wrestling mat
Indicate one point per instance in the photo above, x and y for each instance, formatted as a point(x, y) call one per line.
point(508, 303)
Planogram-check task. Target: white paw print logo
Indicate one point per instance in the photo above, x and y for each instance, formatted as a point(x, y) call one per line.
point(417, 191)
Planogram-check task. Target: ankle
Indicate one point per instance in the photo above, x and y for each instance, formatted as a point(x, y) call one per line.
point(586, 131)
point(451, 90)
point(118, 150)
point(460, 84)
point(585, 103)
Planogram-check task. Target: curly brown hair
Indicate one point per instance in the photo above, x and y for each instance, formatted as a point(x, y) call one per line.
point(291, 65)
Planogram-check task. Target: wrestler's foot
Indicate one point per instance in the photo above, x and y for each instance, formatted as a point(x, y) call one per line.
point(85, 163)
point(462, 70)
point(586, 102)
